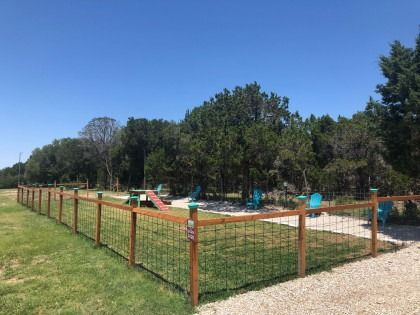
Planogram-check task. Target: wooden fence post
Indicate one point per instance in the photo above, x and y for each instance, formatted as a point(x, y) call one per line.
point(132, 242)
point(75, 209)
point(33, 199)
point(60, 206)
point(98, 220)
point(301, 237)
point(39, 200)
point(192, 234)
point(49, 203)
point(18, 193)
point(374, 226)
point(27, 197)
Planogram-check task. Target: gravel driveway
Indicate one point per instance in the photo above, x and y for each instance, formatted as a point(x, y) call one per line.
point(388, 284)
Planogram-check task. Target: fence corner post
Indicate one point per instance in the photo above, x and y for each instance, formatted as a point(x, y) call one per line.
point(374, 222)
point(301, 236)
point(132, 240)
point(98, 220)
point(192, 234)
point(60, 205)
point(75, 208)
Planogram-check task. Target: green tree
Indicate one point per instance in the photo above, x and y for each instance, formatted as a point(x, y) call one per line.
point(400, 123)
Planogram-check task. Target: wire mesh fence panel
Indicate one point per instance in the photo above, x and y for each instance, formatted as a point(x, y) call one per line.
point(35, 201)
point(115, 229)
point(53, 206)
point(86, 218)
point(237, 255)
point(401, 226)
point(44, 202)
point(162, 247)
point(67, 211)
point(334, 198)
point(335, 237)
point(24, 197)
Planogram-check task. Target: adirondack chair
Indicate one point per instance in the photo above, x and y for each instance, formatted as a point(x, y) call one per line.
point(254, 202)
point(195, 194)
point(158, 189)
point(384, 209)
point(314, 203)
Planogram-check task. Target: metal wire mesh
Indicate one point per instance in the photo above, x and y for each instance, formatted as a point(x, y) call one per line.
point(115, 229)
point(54, 205)
point(335, 237)
point(236, 255)
point(162, 247)
point(35, 201)
point(67, 211)
point(87, 218)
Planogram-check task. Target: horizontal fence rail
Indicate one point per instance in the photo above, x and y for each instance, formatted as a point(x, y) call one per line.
point(209, 257)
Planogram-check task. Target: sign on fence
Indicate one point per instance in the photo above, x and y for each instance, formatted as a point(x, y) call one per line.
point(190, 230)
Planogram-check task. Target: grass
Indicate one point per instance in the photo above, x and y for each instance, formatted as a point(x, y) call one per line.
point(46, 269)
point(233, 257)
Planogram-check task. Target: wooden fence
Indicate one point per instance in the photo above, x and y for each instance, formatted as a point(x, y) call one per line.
point(221, 253)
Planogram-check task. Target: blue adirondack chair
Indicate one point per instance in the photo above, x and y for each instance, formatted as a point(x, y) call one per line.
point(158, 189)
point(384, 209)
point(196, 193)
point(314, 203)
point(255, 201)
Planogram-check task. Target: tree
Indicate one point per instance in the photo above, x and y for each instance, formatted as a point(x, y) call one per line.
point(101, 134)
point(400, 116)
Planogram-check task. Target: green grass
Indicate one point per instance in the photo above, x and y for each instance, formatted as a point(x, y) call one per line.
point(46, 269)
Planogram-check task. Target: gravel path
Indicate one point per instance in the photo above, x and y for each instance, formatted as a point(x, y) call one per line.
point(388, 284)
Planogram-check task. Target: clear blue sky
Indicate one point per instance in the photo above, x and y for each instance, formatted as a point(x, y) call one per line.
point(65, 62)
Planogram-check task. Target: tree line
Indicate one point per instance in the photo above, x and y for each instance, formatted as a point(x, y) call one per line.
point(245, 137)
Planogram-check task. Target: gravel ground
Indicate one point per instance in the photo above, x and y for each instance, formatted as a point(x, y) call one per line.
point(388, 284)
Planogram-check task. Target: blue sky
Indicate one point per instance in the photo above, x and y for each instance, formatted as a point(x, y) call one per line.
point(65, 62)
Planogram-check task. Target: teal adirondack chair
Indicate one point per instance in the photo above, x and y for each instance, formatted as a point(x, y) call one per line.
point(255, 201)
point(196, 193)
point(158, 189)
point(314, 203)
point(384, 209)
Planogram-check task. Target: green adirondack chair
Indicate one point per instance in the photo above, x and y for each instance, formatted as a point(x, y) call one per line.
point(195, 194)
point(384, 209)
point(314, 203)
point(255, 201)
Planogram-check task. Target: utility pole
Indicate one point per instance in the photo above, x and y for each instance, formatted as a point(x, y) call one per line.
point(20, 155)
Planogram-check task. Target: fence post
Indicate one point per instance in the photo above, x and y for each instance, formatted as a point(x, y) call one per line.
point(33, 199)
point(55, 189)
point(374, 226)
point(27, 197)
point(132, 242)
point(60, 206)
point(18, 193)
point(39, 200)
point(192, 234)
point(75, 208)
point(98, 220)
point(49, 202)
point(301, 236)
